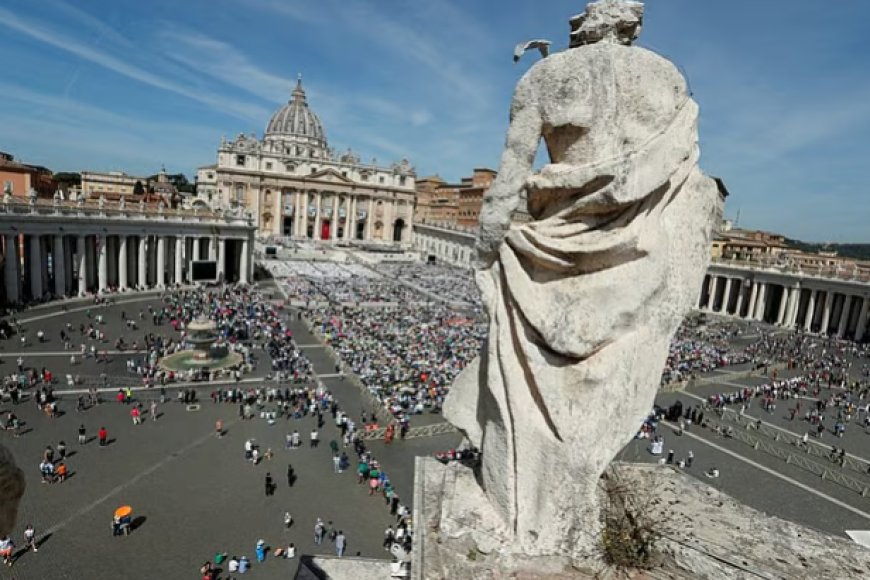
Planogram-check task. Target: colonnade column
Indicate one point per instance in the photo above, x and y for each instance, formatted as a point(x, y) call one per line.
point(142, 263)
point(243, 263)
point(122, 262)
point(741, 294)
point(221, 259)
point(826, 312)
point(845, 311)
point(195, 248)
point(794, 306)
point(862, 319)
point(82, 257)
point(753, 296)
point(760, 306)
point(725, 296)
point(783, 302)
point(102, 264)
point(11, 268)
point(59, 265)
point(35, 258)
point(811, 310)
point(179, 259)
point(333, 231)
point(161, 262)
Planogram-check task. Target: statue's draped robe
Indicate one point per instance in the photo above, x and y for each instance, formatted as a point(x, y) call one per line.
point(574, 296)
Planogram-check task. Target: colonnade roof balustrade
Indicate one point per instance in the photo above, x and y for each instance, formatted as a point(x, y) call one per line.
point(96, 209)
point(791, 270)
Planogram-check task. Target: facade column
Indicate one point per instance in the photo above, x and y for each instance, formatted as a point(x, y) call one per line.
point(102, 263)
point(82, 257)
point(711, 293)
point(315, 235)
point(845, 311)
point(35, 259)
point(303, 226)
point(142, 263)
point(370, 219)
point(122, 263)
point(179, 259)
point(161, 262)
point(753, 297)
point(221, 259)
point(760, 307)
point(826, 312)
point(811, 307)
point(196, 247)
point(59, 266)
point(333, 231)
point(243, 263)
point(862, 319)
point(350, 222)
point(68, 269)
point(726, 296)
point(11, 274)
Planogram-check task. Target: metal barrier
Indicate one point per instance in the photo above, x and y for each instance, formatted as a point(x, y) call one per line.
point(815, 448)
point(414, 432)
point(801, 461)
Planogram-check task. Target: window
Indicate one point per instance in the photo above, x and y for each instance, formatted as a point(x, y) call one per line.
point(313, 170)
point(7, 186)
point(402, 180)
point(240, 193)
point(268, 166)
point(344, 173)
point(364, 176)
point(240, 160)
point(211, 175)
point(381, 179)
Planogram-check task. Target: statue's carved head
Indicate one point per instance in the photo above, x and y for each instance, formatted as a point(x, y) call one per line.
point(11, 489)
point(614, 21)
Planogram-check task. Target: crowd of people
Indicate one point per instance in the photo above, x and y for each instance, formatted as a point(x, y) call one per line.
point(451, 282)
point(406, 356)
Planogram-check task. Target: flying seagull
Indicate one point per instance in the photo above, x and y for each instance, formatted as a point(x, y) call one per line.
point(542, 45)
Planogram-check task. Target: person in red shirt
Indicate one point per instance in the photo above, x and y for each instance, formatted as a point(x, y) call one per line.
point(134, 413)
point(103, 436)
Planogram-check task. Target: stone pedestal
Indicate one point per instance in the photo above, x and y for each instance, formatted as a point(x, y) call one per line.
point(705, 534)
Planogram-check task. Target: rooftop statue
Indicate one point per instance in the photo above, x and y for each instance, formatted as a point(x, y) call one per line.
point(584, 298)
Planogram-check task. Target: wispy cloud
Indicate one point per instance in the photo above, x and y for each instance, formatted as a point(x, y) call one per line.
point(66, 43)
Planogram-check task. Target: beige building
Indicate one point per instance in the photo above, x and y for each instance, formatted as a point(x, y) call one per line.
point(295, 185)
point(95, 183)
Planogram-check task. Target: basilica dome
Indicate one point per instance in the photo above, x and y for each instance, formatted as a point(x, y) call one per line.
point(295, 122)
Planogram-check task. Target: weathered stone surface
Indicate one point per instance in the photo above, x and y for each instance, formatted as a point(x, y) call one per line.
point(706, 535)
point(584, 298)
point(11, 490)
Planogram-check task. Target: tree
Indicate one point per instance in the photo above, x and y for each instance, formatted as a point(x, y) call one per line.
point(138, 189)
point(67, 178)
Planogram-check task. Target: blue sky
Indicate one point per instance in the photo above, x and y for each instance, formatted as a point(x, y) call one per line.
point(783, 87)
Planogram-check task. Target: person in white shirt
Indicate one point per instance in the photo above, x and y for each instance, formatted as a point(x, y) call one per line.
point(290, 552)
point(233, 565)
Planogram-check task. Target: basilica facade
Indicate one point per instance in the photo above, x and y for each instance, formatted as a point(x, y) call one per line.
point(295, 185)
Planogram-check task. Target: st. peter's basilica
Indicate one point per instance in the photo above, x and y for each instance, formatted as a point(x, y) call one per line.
point(296, 185)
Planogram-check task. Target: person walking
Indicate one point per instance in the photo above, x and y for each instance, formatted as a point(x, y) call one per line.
point(103, 436)
point(153, 410)
point(315, 436)
point(82, 434)
point(291, 476)
point(319, 531)
point(7, 548)
point(288, 520)
point(61, 450)
point(340, 544)
point(219, 428)
point(270, 485)
point(30, 539)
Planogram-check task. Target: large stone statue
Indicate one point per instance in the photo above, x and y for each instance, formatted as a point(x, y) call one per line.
point(11, 489)
point(584, 298)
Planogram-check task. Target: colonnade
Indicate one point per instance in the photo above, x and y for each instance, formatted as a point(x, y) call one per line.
point(452, 246)
point(814, 305)
point(340, 217)
point(38, 265)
